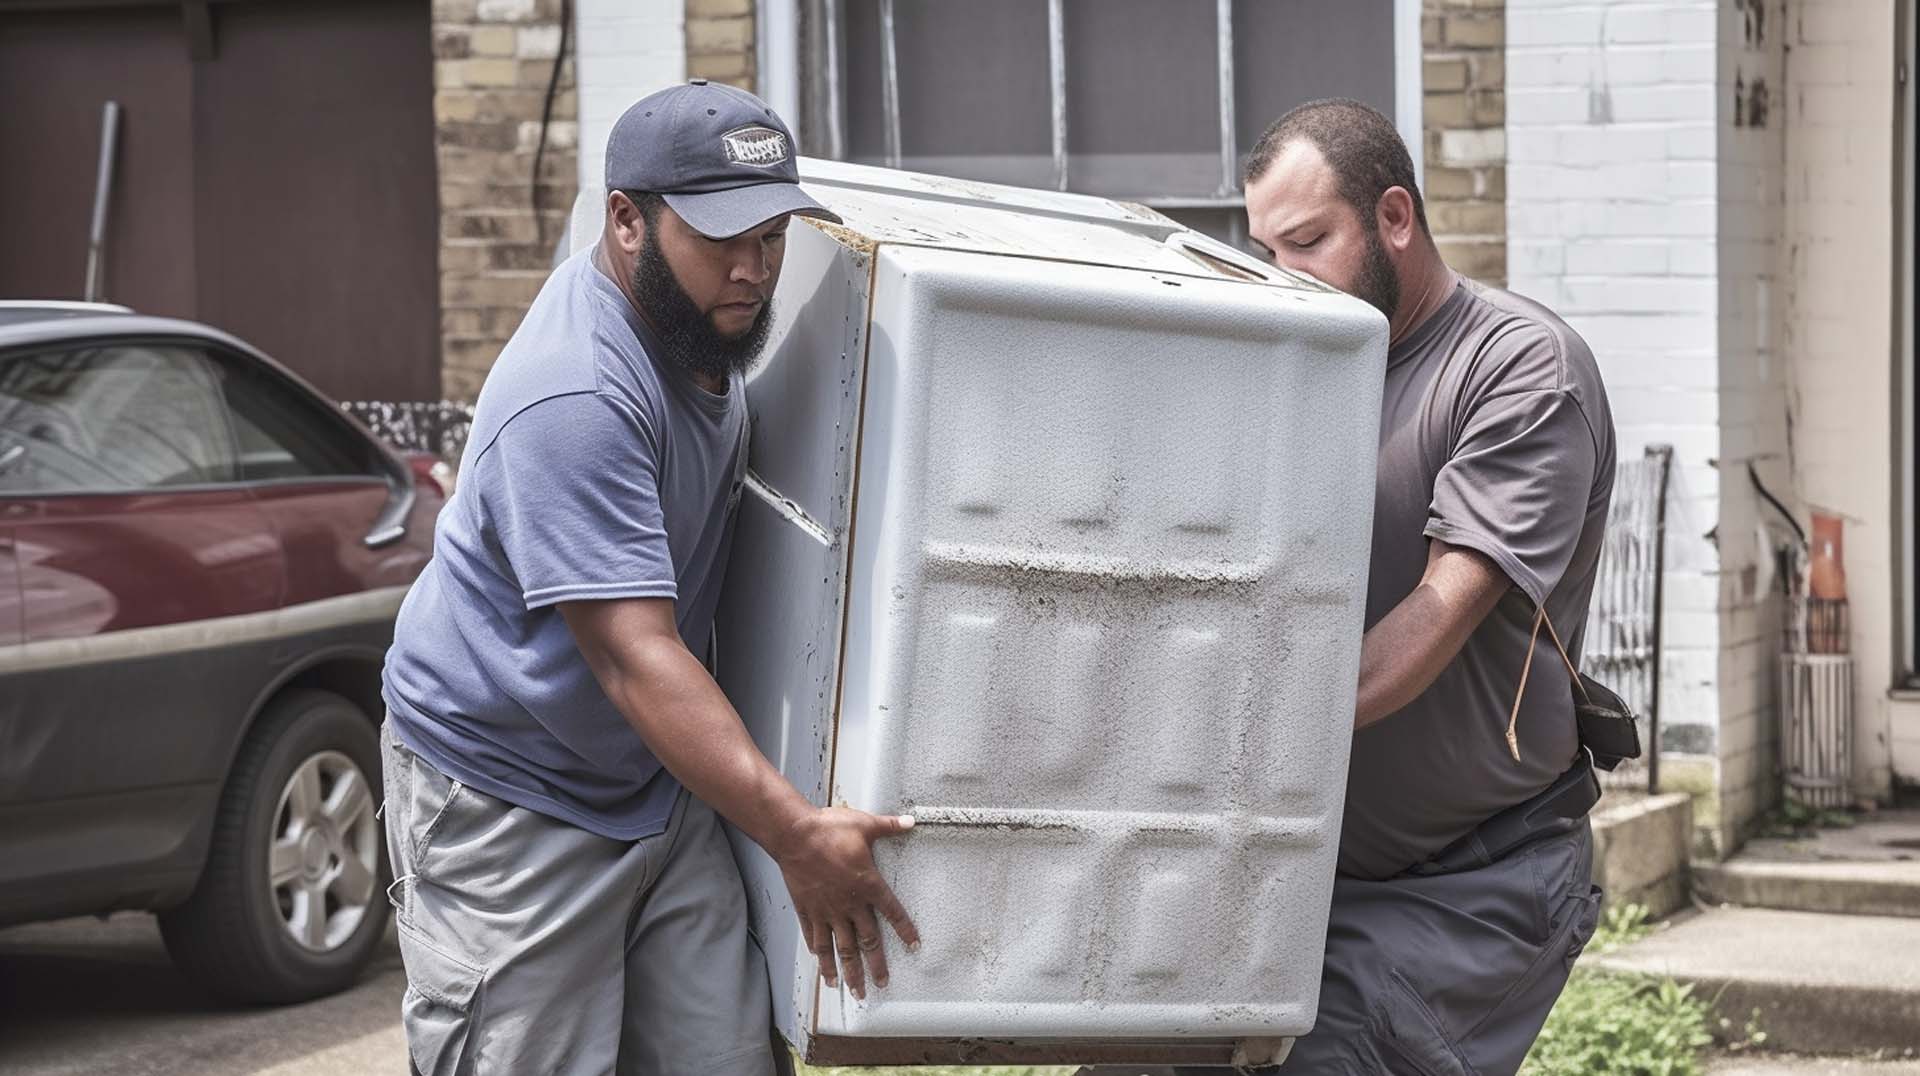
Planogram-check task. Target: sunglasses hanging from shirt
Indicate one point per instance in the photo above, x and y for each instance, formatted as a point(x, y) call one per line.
point(1607, 725)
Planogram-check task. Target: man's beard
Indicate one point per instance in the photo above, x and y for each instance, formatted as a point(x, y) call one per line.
point(1379, 283)
point(688, 338)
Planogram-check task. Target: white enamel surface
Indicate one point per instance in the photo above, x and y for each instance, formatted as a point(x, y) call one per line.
point(1106, 597)
point(778, 626)
point(1089, 606)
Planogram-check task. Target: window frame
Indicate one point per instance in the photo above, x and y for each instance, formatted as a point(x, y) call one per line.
point(780, 52)
point(1906, 389)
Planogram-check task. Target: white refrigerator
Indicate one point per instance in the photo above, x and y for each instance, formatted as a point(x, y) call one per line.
point(1055, 537)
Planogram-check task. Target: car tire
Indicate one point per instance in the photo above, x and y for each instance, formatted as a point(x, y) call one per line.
point(279, 914)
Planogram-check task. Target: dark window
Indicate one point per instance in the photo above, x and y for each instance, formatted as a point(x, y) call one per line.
point(285, 434)
point(113, 418)
point(1143, 103)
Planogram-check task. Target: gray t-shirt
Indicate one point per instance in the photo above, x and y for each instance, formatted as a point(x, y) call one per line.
point(592, 472)
point(1495, 435)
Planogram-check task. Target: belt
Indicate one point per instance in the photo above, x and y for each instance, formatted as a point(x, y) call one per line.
point(1558, 809)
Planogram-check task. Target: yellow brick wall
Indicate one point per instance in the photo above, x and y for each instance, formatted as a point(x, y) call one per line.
point(720, 42)
point(1464, 80)
point(492, 62)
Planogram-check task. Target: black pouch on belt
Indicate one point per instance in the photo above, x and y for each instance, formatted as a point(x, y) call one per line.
point(1607, 727)
point(1554, 810)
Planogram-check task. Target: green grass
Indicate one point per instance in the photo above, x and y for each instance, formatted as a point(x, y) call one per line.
point(1615, 1025)
point(1621, 1025)
point(1793, 820)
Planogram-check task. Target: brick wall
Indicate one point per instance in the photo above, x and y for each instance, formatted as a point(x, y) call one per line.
point(1749, 170)
point(720, 41)
point(1612, 217)
point(1708, 201)
point(628, 49)
point(1838, 253)
point(1464, 82)
point(492, 61)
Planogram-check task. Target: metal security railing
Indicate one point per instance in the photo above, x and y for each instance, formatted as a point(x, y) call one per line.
point(1622, 644)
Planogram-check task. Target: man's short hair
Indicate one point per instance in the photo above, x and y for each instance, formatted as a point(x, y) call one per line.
point(1362, 147)
point(648, 203)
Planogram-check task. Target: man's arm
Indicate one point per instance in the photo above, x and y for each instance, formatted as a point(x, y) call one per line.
point(1403, 654)
point(634, 649)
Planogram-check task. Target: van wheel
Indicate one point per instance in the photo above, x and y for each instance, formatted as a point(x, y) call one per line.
point(293, 899)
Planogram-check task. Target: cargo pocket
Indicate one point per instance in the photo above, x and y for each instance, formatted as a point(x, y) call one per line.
point(1586, 916)
point(438, 1009)
point(1409, 1037)
point(396, 814)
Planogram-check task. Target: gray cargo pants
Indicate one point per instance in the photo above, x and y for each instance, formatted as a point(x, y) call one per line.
point(534, 946)
point(1444, 974)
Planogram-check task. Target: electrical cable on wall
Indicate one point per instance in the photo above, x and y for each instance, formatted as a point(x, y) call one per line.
point(1760, 487)
point(546, 115)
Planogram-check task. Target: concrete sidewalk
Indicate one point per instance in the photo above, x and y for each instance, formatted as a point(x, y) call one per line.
point(1823, 984)
point(1809, 1066)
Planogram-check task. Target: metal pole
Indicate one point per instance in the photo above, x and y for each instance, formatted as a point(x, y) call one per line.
point(1229, 154)
point(836, 96)
point(1057, 72)
point(1665, 454)
point(102, 193)
point(890, 72)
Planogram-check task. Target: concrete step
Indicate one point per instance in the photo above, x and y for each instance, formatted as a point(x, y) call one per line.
point(1823, 984)
point(1764, 1065)
point(1891, 889)
point(1872, 868)
point(1640, 850)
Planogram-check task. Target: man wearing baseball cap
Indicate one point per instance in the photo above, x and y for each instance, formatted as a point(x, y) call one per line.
point(557, 758)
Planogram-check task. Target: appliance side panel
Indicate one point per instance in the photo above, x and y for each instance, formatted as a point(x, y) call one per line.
point(778, 627)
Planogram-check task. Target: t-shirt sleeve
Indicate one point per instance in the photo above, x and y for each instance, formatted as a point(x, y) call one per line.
point(1517, 485)
point(571, 493)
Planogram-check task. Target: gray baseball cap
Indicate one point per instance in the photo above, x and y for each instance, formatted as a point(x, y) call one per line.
point(718, 154)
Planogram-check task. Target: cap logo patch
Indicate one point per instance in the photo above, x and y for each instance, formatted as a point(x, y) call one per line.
point(755, 147)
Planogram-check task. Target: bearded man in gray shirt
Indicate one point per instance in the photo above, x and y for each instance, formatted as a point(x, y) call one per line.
point(1464, 888)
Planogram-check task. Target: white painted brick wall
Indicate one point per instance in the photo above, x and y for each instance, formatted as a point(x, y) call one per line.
point(1836, 332)
point(626, 50)
point(1904, 716)
point(1613, 215)
point(1749, 166)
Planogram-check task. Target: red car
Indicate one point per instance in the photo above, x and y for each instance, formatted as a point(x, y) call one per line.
point(200, 562)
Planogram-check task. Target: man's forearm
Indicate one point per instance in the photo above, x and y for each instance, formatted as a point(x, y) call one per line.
point(1403, 654)
point(695, 733)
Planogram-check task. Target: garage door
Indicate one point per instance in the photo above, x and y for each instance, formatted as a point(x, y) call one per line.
point(275, 175)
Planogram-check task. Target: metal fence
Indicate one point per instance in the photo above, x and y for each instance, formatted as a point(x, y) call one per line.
point(1622, 644)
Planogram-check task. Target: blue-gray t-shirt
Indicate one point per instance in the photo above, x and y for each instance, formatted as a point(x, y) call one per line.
point(592, 472)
